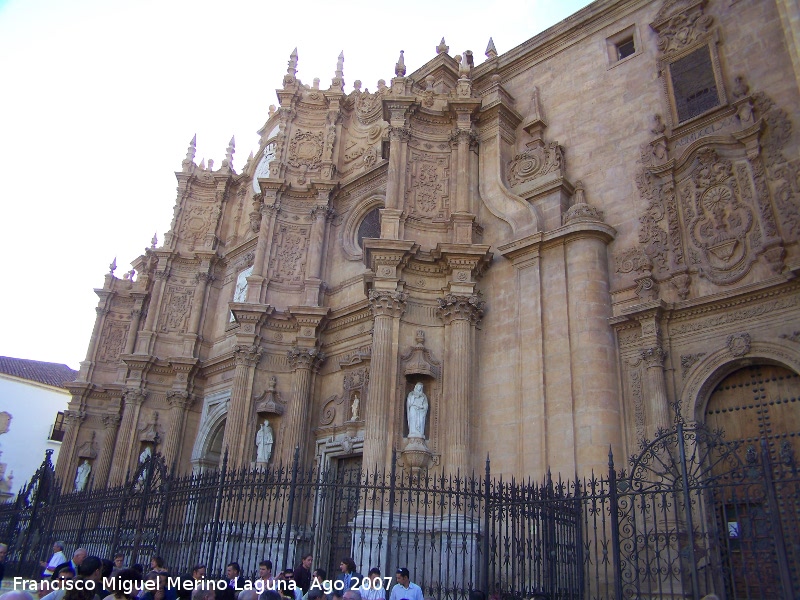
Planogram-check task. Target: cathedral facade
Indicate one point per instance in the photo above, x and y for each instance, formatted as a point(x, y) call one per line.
point(536, 257)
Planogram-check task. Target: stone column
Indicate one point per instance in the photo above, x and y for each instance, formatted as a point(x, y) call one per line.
point(316, 248)
point(305, 362)
point(399, 134)
point(110, 423)
point(460, 314)
point(132, 402)
point(64, 469)
point(246, 358)
point(198, 303)
point(386, 306)
point(266, 224)
point(657, 403)
point(178, 401)
point(592, 351)
point(153, 310)
point(136, 316)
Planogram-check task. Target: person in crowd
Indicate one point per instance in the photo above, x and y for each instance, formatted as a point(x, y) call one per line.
point(372, 587)
point(348, 571)
point(322, 587)
point(265, 572)
point(138, 568)
point(158, 565)
point(119, 562)
point(58, 558)
point(235, 582)
point(185, 591)
point(302, 572)
point(200, 593)
point(351, 595)
point(90, 569)
point(3, 553)
point(297, 593)
point(162, 592)
point(78, 557)
point(62, 574)
point(405, 589)
point(125, 585)
point(106, 570)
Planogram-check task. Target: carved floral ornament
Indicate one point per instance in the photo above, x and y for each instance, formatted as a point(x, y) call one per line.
point(387, 303)
point(305, 358)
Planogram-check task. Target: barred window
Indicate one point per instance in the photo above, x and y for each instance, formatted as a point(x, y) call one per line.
point(693, 84)
point(57, 434)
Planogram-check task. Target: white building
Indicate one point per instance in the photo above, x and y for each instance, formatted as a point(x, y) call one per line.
point(32, 404)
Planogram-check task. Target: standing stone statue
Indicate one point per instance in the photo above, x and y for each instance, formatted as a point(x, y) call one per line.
point(146, 453)
point(354, 408)
point(82, 475)
point(264, 441)
point(417, 409)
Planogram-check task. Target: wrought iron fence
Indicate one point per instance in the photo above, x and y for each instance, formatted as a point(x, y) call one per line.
point(693, 515)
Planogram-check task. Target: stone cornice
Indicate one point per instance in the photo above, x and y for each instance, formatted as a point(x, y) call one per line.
point(531, 244)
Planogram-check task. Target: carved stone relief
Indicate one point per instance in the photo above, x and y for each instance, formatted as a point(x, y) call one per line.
point(289, 246)
point(198, 222)
point(305, 149)
point(427, 195)
point(539, 160)
point(112, 341)
point(177, 305)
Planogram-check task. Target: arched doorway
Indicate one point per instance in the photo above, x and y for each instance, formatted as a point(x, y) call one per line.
point(757, 405)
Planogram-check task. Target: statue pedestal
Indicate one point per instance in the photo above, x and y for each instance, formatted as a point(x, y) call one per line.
point(416, 456)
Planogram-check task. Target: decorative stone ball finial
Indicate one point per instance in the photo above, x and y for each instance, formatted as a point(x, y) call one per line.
point(357, 85)
point(442, 47)
point(400, 67)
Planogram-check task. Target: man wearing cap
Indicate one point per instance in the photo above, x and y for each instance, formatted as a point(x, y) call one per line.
point(405, 588)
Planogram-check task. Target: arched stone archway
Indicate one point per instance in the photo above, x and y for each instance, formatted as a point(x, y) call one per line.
point(207, 451)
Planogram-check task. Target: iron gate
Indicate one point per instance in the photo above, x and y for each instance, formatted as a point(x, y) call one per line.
point(693, 515)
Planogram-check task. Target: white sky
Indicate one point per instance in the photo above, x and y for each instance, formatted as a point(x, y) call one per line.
point(99, 99)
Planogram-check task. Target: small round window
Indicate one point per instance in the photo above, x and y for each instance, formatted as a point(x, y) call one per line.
point(370, 227)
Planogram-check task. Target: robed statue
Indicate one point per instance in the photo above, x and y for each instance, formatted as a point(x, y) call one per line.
point(264, 441)
point(82, 476)
point(417, 410)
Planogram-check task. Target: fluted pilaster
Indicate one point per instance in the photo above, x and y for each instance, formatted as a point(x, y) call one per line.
point(136, 317)
point(246, 358)
point(657, 401)
point(386, 307)
point(64, 469)
point(305, 362)
point(132, 402)
point(460, 314)
point(110, 424)
point(178, 401)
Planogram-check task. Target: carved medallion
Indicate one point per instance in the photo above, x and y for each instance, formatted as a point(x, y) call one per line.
point(305, 149)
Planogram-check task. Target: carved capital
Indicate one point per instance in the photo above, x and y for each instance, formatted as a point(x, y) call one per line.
point(305, 358)
point(455, 308)
point(179, 399)
point(400, 134)
point(204, 277)
point(111, 421)
point(73, 417)
point(653, 357)
point(161, 275)
point(134, 397)
point(385, 303)
point(246, 355)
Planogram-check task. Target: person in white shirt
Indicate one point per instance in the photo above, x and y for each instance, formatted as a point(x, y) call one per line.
point(58, 558)
point(405, 589)
point(372, 588)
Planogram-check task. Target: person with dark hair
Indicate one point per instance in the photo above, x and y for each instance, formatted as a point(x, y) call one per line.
point(138, 568)
point(158, 565)
point(162, 592)
point(405, 589)
point(235, 582)
point(319, 585)
point(302, 572)
point(189, 583)
point(372, 587)
point(125, 585)
point(119, 563)
point(348, 571)
point(62, 574)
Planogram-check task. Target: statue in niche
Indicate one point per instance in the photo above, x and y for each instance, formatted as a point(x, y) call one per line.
point(143, 457)
point(417, 409)
point(264, 441)
point(82, 475)
point(354, 408)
